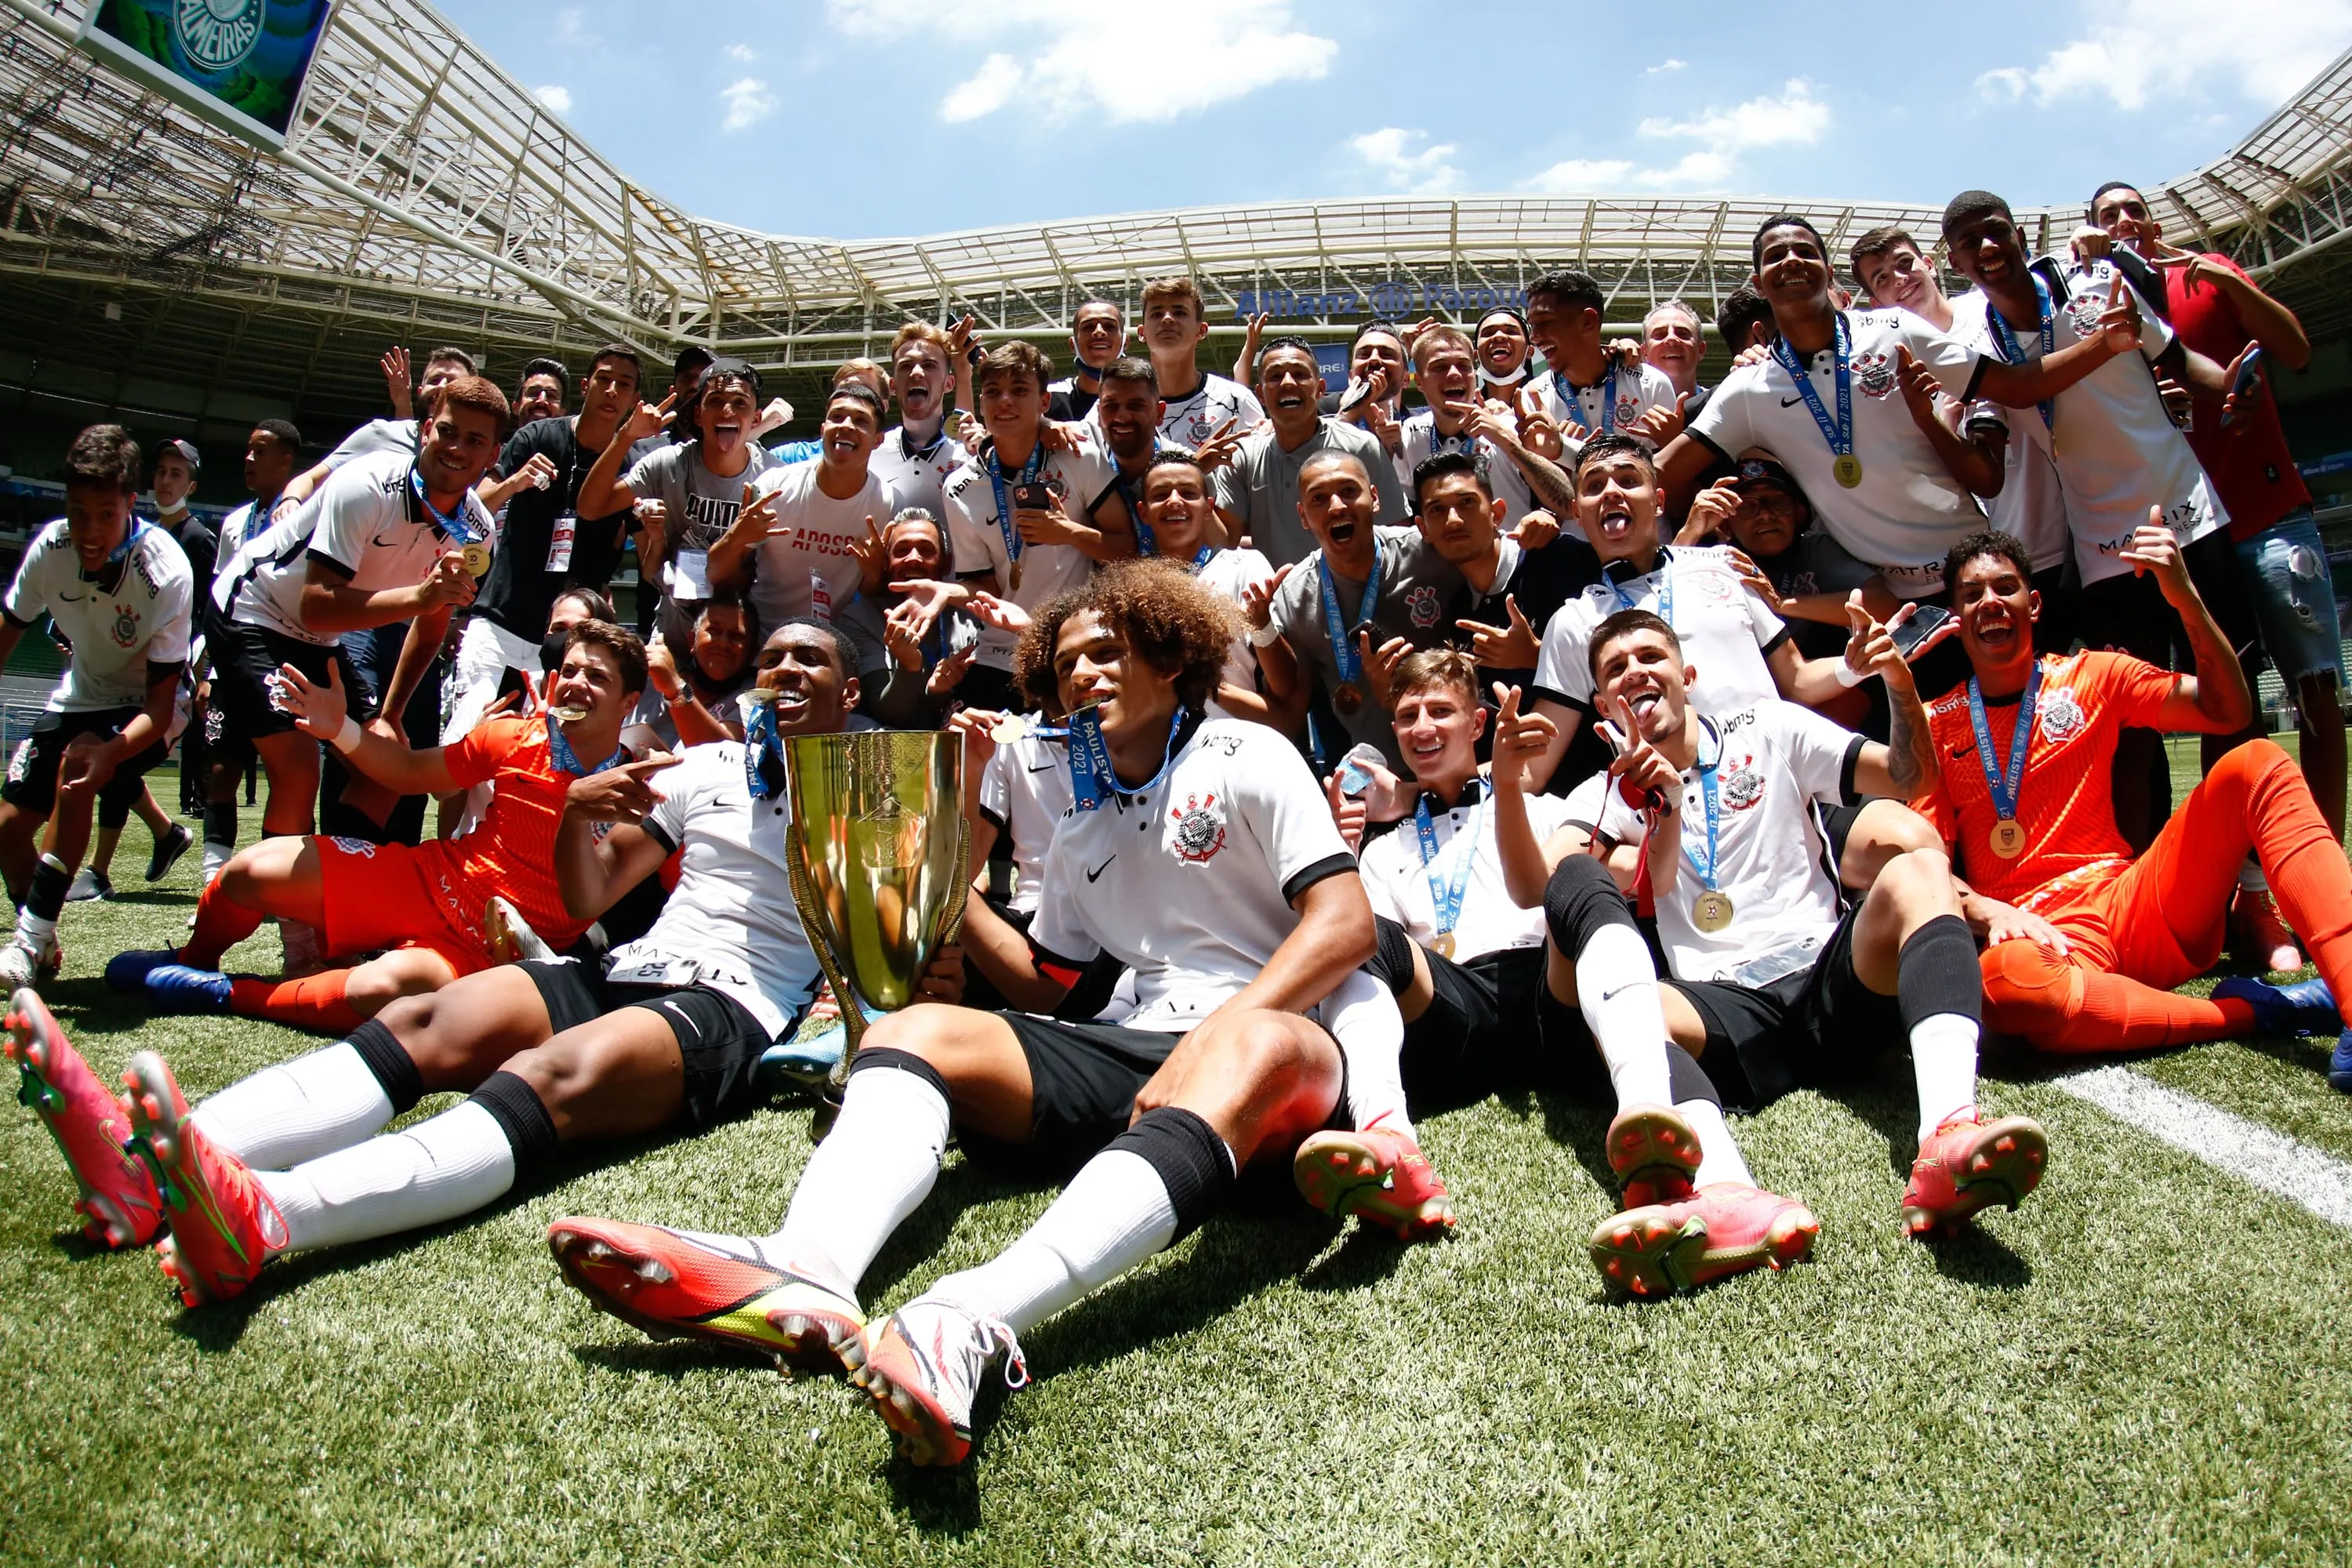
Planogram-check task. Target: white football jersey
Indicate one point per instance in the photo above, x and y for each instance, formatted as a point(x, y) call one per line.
point(116, 633)
point(1908, 510)
point(1611, 405)
point(917, 476)
point(1026, 791)
point(366, 523)
point(1726, 630)
point(1226, 575)
point(1080, 475)
point(1397, 881)
point(731, 914)
point(1189, 421)
point(2032, 507)
point(1421, 441)
point(1190, 883)
point(1776, 760)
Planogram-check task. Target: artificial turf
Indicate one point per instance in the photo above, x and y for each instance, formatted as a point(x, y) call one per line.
point(2141, 1365)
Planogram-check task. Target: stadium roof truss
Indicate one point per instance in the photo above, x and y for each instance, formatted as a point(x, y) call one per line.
point(423, 194)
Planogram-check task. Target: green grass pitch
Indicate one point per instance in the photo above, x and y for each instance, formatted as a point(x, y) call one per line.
point(2146, 1364)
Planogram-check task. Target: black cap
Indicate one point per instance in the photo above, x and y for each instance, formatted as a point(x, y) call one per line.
point(1756, 471)
point(187, 450)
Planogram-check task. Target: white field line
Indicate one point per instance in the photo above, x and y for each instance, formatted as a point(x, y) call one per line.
point(2269, 1159)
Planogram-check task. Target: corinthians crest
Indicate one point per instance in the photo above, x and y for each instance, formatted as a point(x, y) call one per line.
point(1196, 829)
point(217, 35)
point(1875, 374)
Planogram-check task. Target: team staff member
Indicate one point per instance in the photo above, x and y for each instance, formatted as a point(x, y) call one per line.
point(912, 654)
point(692, 694)
point(428, 906)
point(1258, 491)
point(1505, 354)
point(2085, 943)
point(545, 545)
point(120, 592)
point(666, 1034)
point(538, 394)
point(1097, 336)
point(391, 537)
point(793, 547)
point(1241, 915)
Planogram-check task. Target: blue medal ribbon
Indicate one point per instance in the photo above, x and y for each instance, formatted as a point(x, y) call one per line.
point(1664, 590)
point(1343, 642)
point(2006, 338)
point(2004, 785)
point(1838, 433)
point(449, 525)
point(564, 760)
point(1202, 557)
point(1144, 543)
point(1572, 394)
point(1092, 777)
point(1445, 893)
point(1706, 767)
point(763, 753)
point(1029, 472)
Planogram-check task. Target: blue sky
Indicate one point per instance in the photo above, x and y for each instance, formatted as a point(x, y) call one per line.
point(854, 119)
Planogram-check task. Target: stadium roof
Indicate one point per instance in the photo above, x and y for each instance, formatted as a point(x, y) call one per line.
point(423, 194)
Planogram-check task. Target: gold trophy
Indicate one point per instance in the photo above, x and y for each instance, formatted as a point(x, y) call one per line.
point(878, 861)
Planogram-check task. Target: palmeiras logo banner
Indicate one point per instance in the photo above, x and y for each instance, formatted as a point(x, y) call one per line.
point(239, 63)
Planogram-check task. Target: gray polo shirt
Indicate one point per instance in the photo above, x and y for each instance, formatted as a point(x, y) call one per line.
point(1260, 486)
point(1416, 585)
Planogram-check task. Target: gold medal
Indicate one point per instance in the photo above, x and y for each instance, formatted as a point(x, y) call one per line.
point(2008, 838)
point(1442, 945)
point(1848, 469)
point(1349, 697)
point(1015, 574)
point(1712, 912)
point(477, 559)
point(569, 715)
point(1009, 728)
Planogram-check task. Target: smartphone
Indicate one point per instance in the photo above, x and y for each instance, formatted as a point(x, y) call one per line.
point(1036, 495)
point(2242, 386)
point(1923, 620)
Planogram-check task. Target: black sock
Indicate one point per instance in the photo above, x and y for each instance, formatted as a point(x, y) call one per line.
point(1937, 972)
point(47, 897)
point(1392, 963)
point(1191, 1161)
point(394, 1067)
point(529, 1129)
point(220, 823)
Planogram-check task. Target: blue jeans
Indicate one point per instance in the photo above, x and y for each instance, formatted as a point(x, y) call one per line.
point(2286, 575)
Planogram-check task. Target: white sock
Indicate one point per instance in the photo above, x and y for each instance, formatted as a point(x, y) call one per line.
point(873, 1170)
point(2250, 879)
point(1944, 1055)
point(297, 1110)
point(1114, 1214)
point(216, 857)
point(448, 1165)
point(1718, 1154)
point(1363, 1018)
point(35, 932)
point(1617, 992)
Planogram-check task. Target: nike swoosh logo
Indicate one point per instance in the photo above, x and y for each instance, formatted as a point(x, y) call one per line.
point(1791, 402)
point(1613, 995)
point(383, 544)
point(1044, 768)
point(1100, 869)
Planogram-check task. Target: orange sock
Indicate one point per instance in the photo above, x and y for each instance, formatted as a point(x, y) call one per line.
point(2058, 1005)
point(221, 924)
point(314, 1002)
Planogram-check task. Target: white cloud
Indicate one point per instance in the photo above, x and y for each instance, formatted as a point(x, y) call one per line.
point(1666, 66)
point(1423, 173)
point(558, 99)
point(1793, 117)
point(744, 52)
point(571, 29)
point(749, 102)
point(2137, 52)
point(1120, 63)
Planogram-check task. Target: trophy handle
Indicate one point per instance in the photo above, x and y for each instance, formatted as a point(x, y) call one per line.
point(845, 995)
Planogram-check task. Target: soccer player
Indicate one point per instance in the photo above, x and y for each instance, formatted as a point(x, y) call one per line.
point(428, 907)
point(399, 434)
point(664, 1036)
point(1344, 616)
point(1713, 821)
point(793, 547)
point(701, 484)
point(1505, 351)
point(393, 536)
point(272, 452)
point(1468, 966)
point(1258, 491)
point(2086, 941)
point(1176, 509)
point(540, 394)
point(1445, 372)
point(1097, 336)
point(1026, 518)
point(1588, 389)
point(119, 591)
point(2215, 309)
point(916, 455)
point(1876, 479)
point(170, 481)
point(1509, 590)
point(1196, 402)
point(545, 544)
point(1240, 911)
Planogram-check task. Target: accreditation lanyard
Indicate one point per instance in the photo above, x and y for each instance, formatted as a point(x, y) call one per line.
point(2007, 339)
point(1445, 891)
point(1343, 645)
point(1706, 871)
point(1029, 472)
point(1092, 777)
point(1838, 432)
point(2004, 784)
point(1664, 589)
point(564, 760)
point(1572, 394)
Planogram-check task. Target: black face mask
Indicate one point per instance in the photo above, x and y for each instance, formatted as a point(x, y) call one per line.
point(550, 651)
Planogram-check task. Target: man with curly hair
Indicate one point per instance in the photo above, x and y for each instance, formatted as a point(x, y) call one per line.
point(1201, 852)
